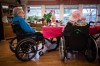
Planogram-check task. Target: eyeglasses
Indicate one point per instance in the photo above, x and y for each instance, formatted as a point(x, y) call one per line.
point(22, 12)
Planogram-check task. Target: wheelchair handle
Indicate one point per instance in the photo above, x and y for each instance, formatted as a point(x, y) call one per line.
point(91, 22)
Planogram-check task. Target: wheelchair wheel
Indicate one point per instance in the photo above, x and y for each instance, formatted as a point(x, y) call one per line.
point(13, 44)
point(62, 49)
point(99, 52)
point(26, 49)
point(91, 51)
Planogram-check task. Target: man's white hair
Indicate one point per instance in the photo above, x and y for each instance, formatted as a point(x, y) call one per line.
point(16, 10)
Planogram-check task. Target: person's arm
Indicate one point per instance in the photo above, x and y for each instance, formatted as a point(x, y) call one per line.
point(25, 26)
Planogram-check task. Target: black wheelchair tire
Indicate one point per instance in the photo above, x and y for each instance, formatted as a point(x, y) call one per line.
point(11, 44)
point(92, 49)
point(99, 52)
point(62, 48)
point(32, 43)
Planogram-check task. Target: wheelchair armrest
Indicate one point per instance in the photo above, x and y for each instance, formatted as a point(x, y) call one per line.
point(27, 34)
point(33, 34)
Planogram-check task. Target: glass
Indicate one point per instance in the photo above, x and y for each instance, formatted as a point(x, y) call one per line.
point(34, 13)
point(90, 12)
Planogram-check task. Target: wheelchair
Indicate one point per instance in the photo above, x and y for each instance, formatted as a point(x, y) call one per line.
point(26, 45)
point(13, 44)
point(77, 39)
point(19, 34)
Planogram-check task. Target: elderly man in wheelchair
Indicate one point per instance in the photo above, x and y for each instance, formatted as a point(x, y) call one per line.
point(27, 39)
point(76, 38)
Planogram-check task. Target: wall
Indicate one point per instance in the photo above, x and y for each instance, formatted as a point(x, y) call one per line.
point(57, 2)
point(98, 11)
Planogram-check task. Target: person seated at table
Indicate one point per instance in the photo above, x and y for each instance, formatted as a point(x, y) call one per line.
point(75, 19)
point(53, 21)
point(18, 18)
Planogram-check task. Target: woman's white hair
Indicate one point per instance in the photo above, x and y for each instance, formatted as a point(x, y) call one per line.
point(75, 16)
point(16, 10)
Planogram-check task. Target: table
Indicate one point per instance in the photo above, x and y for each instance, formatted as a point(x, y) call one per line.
point(52, 31)
point(56, 31)
point(94, 30)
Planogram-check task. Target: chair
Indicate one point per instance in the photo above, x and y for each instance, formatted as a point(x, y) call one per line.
point(20, 34)
point(27, 43)
point(78, 40)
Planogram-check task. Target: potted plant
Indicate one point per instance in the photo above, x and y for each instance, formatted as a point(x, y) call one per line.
point(47, 17)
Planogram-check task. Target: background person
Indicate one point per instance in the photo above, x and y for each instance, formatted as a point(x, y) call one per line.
point(5, 18)
point(53, 21)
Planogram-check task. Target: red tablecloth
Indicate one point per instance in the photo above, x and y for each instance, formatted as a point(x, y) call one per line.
point(51, 32)
point(94, 30)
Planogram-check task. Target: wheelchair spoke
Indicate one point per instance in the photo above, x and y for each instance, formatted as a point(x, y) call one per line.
point(26, 50)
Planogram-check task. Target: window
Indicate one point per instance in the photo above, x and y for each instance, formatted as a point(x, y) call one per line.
point(68, 9)
point(54, 9)
point(90, 12)
point(34, 12)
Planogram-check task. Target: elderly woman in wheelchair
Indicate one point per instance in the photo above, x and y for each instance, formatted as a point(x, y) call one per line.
point(28, 41)
point(76, 38)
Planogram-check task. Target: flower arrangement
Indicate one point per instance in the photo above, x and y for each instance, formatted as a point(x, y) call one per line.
point(47, 16)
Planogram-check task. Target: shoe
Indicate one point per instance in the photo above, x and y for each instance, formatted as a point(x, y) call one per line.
point(69, 55)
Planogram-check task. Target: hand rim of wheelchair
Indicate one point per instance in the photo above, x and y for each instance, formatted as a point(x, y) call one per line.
point(91, 52)
point(62, 48)
point(12, 44)
point(18, 47)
